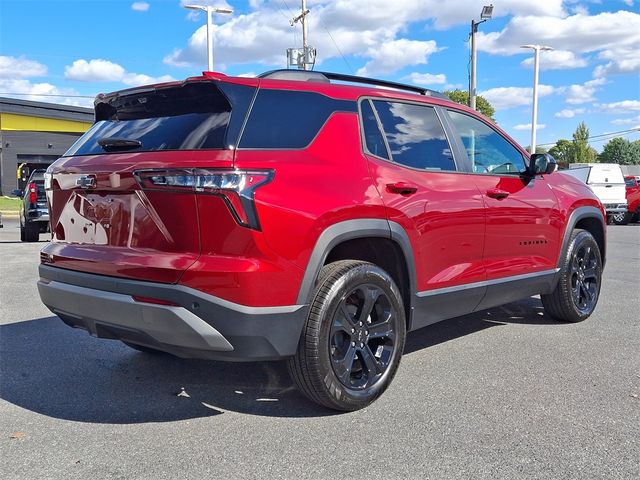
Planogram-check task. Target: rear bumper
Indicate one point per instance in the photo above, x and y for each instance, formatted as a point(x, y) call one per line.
point(202, 326)
point(615, 207)
point(37, 215)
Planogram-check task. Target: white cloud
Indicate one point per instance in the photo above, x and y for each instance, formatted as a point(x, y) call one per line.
point(98, 70)
point(625, 106)
point(427, 78)
point(556, 60)
point(627, 121)
point(42, 92)
point(140, 6)
point(394, 55)
point(20, 67)
point(615, 35)
point(583, 93)
point(356, 26)
point(628, 2)
point(527, 126)
point(136, 79)
point(502, 98)
point(569, 113)
point(622, 60)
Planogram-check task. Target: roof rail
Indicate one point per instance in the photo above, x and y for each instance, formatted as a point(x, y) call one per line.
point(311, 76)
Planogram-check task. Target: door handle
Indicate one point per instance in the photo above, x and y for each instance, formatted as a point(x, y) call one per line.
point(401, 188)
point(497, 193)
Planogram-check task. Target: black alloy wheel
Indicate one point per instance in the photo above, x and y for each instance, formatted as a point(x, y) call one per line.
point(585, 278)
point(353, 338)
point(362, 338)
point(576, 295)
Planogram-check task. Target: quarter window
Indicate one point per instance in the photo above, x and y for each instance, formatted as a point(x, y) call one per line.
point(488, 151)
point(372, 136)
point(415, 136)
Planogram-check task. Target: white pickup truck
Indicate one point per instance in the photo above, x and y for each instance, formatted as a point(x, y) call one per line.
point(607, 182)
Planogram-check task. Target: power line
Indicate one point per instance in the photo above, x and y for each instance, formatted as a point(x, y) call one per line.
point(623, 132)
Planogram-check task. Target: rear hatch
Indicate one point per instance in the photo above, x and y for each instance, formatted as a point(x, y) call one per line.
point(607, 182)
point(121, 199)
point(35, 196)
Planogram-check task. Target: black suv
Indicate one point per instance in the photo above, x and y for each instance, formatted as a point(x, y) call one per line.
point(34, 214)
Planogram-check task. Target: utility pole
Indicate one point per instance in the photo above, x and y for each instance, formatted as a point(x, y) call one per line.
point(307, 56)
point(536, 74)
point(485, 15)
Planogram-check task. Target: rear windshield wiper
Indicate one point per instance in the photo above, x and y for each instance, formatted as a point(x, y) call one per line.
point(112, 144)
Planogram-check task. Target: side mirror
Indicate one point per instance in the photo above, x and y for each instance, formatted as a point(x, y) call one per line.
point(542, 163)
point(17, 193)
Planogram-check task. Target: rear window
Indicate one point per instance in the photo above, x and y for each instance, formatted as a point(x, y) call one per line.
point(193, 116)
point(606, 174)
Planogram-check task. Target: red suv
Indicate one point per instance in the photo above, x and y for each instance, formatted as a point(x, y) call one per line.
point(633, 201)
point(294, 216)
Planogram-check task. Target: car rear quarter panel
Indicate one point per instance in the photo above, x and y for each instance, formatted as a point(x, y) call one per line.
point(326, 183)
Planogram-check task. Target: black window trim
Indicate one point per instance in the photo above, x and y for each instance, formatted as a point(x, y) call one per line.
point(452, 147)
point(464, 150)
point(363, 139)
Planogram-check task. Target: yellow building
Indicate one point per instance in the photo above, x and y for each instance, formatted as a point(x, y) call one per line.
point(34, 134)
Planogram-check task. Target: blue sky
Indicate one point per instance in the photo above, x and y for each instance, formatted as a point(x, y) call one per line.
point(82, 47)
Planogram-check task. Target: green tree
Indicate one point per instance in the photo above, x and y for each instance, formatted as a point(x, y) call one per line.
point(562, 151)
point(582, 152)
point(622, 151)
point(482, 105)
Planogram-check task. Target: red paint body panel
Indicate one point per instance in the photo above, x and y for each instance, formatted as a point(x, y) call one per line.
point(633, 195)
point(444, 219)
point(524, 229)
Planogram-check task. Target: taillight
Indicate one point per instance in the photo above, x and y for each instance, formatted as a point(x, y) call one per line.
point(33, 193)
point(236, 187)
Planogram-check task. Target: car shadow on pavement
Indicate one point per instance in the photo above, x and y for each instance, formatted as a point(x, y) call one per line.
point(48, 368)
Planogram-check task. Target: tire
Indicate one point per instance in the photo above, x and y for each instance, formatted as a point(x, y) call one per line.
point(353, 338)
point(29, 232)
point(143, 349)
point(621, 218)
point(576, 295)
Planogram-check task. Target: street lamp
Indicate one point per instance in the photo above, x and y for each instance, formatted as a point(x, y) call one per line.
point(209, 10)
point(536, 70)
point(485, 15)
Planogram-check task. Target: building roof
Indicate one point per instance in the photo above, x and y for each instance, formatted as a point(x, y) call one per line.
point(45, 110)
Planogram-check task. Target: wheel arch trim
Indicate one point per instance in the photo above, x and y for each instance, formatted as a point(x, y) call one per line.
point(349, 230)
point(576, 215)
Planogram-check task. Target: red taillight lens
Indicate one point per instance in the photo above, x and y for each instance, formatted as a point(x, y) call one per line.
point(33, 192)
point(236, 187)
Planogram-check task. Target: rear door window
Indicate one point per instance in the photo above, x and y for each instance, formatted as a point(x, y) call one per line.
point(192, 116)
point(415, 136)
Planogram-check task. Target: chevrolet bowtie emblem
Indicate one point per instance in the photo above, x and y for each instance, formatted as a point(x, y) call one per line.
point(86, 182)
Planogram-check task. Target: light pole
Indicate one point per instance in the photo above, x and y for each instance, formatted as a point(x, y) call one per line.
point(485, 15)
point(209, 10)
point(536, 71)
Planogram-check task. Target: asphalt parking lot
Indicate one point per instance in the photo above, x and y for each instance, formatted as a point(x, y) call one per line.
point(505, 393)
